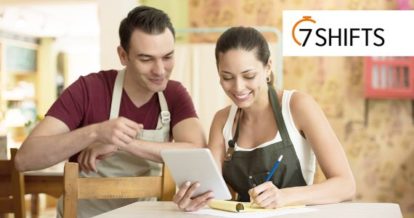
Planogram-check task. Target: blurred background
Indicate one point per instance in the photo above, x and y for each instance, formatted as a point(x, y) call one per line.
point(47, 44)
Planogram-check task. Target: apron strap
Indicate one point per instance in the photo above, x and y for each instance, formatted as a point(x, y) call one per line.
point(277, 111)
point(165, 116)
point(233, 141)
point(117, 94)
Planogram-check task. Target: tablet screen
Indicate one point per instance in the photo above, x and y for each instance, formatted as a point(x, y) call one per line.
point(196, 165)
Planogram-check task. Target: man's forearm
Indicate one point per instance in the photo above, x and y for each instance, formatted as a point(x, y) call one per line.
point(39, 152)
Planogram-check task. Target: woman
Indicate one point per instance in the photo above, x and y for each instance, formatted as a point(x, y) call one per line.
point(248, 137)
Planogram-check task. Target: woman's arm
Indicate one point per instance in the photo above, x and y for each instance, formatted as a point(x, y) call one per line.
point(216, 145)
point(216, 141)
point(339, 184)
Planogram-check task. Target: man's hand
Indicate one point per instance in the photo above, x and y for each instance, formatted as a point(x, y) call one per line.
point(91, 155)
point(119, 132)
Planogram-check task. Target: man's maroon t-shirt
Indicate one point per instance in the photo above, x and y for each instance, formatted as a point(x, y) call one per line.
point(88, 101)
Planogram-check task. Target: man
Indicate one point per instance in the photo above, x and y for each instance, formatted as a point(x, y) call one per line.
point(120, 119)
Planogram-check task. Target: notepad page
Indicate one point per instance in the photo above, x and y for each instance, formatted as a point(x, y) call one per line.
point(262, 214)
point(236, 206)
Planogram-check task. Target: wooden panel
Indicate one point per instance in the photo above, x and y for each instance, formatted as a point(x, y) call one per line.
point(127, 187)
point(112, 187)
point(6, 205)
point(51, 185)
point(70, 198)
point(168, 186)
point(12, 188)
point(5, 184)
point(17, 180)
point(5, 168)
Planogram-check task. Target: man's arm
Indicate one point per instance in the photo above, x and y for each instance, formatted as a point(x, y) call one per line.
point(52, 141)
point(187, 133)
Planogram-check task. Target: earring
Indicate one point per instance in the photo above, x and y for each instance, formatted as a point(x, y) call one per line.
point(268, 79)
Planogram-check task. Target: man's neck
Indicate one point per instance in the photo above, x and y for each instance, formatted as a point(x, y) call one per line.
point(138, 94)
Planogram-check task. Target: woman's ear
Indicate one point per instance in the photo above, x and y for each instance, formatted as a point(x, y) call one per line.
point(123, 55)
point(269, 67)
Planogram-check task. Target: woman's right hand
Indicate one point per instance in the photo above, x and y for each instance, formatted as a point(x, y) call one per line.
point(187, 203)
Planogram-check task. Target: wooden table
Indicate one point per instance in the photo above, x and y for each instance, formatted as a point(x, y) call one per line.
point(48, 181)
point(341, 210)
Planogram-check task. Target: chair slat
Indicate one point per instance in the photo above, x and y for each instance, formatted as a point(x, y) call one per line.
point(12, 188)
point(162, 187)
point(120, 187)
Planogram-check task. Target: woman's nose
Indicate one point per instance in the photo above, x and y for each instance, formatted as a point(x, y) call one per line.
point(239, 84)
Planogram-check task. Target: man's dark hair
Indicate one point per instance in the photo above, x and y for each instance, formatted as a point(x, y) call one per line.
point(147, 19)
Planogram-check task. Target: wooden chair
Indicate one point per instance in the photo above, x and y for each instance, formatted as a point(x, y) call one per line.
point(12, 188)
point(162, 187)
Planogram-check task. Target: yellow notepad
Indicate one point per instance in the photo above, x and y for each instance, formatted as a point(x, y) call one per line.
point(236, 206)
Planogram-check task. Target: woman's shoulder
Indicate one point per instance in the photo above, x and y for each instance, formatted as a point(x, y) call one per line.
point(302, 106)
point(300, 99)
point(219, 121)
point(223, 113)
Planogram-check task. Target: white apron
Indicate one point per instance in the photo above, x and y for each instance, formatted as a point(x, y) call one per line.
point(123, 164)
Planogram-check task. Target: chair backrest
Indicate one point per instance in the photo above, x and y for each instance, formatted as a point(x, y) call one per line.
point(161, 187)
point(12, 188)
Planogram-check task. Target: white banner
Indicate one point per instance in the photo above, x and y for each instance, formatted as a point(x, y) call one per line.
point(348, 33)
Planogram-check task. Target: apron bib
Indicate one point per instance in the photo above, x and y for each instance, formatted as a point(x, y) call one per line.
point(244, 170)
point(124, 164)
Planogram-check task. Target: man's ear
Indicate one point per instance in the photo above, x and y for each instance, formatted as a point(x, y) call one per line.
point(123, 55)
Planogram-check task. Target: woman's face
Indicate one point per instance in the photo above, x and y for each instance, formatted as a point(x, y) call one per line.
point(243, 76)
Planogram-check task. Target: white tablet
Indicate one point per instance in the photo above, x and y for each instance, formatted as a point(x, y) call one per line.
point(196, 165)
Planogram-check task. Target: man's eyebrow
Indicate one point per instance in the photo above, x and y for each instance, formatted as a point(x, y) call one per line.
point(151, 56)
point(169, 53)
point(144, 56)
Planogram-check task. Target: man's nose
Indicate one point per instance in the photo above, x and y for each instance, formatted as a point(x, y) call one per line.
point(158, 67)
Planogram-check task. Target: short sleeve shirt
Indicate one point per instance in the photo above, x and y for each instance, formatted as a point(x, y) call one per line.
point(88, 101)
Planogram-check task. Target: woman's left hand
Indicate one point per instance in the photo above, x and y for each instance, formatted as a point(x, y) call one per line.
point(267, 195)
point(187, 203)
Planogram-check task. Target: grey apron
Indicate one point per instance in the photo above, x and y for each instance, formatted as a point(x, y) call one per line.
point(244, 170)
point(124, 164)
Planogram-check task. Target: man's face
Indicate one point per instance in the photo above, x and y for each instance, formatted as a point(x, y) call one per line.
point(150, 59)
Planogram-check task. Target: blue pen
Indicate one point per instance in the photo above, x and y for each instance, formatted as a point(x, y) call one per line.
point(274, 168)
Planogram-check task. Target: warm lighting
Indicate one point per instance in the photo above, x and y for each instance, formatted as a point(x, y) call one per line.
point(51, 20)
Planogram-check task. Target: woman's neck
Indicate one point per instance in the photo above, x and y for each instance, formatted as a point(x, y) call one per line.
point(260, 107)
